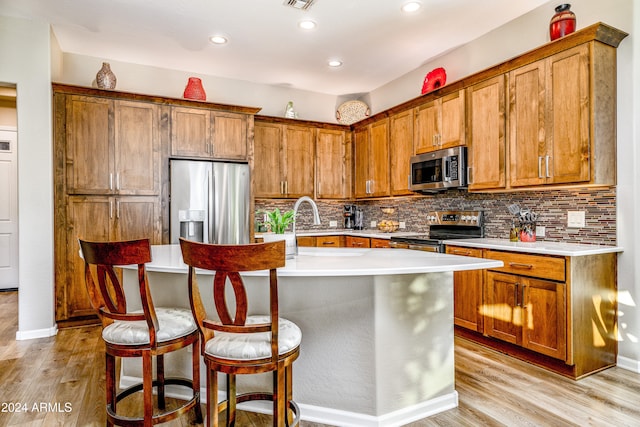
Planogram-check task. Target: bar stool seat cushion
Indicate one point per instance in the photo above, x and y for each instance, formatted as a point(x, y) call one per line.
point(256, 345)
point(173, 323)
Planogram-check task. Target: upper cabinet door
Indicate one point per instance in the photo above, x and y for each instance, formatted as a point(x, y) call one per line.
point(90, 159)
point(137, 148)
point(300, 161)
point(527, 136)
point(379, 166)
point(362, 153)
point(268, 160)
point(486, 137)
point(333, 169)
point(452, 120)
point(568, 145)
point(427, 127)
point(190, 132)
point(229, 136)
point(400, 151)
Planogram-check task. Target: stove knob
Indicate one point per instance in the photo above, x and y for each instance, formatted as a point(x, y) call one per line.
point(464, 217)
point(474, 218)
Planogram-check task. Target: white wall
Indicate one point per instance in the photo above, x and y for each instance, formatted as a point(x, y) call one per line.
point(81, 70)
point(24, 49)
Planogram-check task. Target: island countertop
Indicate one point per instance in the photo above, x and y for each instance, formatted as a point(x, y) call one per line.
point(339, 262)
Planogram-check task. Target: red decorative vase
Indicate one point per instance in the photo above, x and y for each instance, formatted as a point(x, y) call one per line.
point(194, 90)
point(563, 22)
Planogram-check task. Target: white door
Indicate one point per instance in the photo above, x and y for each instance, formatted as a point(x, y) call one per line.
point(8, 209)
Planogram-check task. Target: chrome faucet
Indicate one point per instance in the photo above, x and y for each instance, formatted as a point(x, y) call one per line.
point(316, 216)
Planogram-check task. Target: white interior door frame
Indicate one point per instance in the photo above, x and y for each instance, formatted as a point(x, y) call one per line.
point(8, 208)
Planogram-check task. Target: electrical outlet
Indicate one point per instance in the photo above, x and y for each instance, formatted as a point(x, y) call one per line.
point(333, 224)
point(402, 225)
point(575, 219)
point(374, 224)
point(541, 231)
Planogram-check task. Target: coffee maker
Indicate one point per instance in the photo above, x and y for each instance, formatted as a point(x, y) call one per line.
point(349, 213)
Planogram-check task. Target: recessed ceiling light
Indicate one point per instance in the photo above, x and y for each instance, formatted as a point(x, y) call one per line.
point(218, 39)
point(334, 63)
point(307, 24)
point(412, 6)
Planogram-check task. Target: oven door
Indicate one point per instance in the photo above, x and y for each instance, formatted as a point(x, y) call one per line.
point(427, 247)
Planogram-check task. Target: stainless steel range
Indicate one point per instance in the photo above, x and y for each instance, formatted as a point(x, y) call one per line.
point(443, 225)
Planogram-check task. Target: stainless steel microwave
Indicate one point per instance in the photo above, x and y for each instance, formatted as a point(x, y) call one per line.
point(439, 170)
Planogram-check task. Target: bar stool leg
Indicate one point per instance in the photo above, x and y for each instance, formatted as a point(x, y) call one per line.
point(147, 381)
point(231, 400)
point(110, 385)
point(160, 378)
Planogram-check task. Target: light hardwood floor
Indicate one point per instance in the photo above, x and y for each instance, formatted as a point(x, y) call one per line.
point(494, 390)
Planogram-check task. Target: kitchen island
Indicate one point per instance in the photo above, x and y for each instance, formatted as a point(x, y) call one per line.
point(377, 328)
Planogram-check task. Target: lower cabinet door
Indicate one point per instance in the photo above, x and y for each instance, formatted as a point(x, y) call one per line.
point(544, 330)
point(503, 317)
point(467, 292)
point(89, 218)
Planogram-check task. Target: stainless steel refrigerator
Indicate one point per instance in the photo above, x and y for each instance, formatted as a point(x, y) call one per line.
point(209, 201)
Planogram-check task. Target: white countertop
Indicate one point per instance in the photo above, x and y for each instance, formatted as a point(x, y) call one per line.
point(539, 247)
point(339, 262)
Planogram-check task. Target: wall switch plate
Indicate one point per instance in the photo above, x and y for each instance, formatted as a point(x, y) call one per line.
point(575, 219)
point(374, 224)
point(402, 225)
point(541, 230)
point(333, 224)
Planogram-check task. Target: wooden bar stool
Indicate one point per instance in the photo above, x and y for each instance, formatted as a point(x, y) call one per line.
point(150, 332)
point(239, 343)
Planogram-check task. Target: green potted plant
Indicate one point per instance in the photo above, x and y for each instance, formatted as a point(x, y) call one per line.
point(278, 222)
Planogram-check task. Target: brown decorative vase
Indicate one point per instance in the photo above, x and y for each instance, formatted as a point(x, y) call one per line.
point(563, 22)
point(105, 79)
point(194, 90)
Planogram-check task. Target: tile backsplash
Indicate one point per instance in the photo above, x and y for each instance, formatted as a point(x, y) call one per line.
point(551, 206)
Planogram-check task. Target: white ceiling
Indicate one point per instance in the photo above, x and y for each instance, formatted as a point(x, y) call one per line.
point(376, 41)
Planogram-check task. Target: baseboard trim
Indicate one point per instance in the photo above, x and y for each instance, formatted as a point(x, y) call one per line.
point(37, 333)
point(329, 416)
point(629, 364)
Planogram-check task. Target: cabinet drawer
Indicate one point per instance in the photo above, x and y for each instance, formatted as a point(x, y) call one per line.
point(545, 267)
point(329, 241)
point(379, 243)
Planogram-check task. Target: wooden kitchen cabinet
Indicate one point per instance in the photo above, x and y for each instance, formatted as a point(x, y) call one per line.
point(333, 168)
point(284, 159)
point(371, 151)
point(440, 123)
point(112, 146)
point(467, 292)
point(205, 133)
point(101, 218)
point(400, 152)
point(528, 312)
point(357, 242)
point(549, 119)
point(553, 311)
point(526, 302)
point(486, 139)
